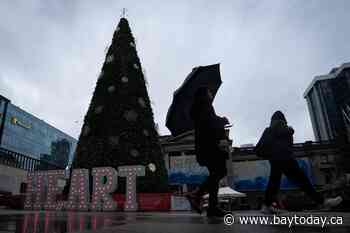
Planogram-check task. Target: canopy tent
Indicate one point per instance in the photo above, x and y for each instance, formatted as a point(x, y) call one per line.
point(227, 192)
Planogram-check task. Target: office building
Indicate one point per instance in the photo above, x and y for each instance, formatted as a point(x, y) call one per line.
point(328, 99)
point(24, 133)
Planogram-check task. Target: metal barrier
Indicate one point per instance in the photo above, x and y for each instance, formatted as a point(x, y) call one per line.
point(17, 160)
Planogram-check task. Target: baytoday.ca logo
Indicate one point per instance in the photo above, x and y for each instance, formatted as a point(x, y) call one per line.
point(229, 219)
point(307, 220)
point(288, 220)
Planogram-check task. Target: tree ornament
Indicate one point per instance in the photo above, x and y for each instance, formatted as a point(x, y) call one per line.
point(134, 153)
point(145, 76)
point(98, 109)
point(109, 58)
point(145, 132)
point(132, 44)
point(136, 66)
point(100, 75)
point(142, 102)
point(125, 79)
point(152, 167)
point(111, 89)
point(86, 130)
point(114, 140)
point(130, 115)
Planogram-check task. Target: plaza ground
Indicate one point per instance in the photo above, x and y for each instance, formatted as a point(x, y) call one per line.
point(150, 222)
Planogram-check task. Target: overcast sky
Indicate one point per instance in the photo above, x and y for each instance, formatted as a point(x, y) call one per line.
point(52, 51)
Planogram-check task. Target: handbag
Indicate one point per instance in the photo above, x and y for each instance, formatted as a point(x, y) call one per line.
point(263, 148)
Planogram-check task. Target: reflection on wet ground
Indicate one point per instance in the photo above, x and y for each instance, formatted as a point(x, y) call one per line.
point(49, 222)
point(143, 222)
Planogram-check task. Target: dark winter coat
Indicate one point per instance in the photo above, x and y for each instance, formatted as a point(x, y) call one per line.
point(209, 131)
point(282, 134)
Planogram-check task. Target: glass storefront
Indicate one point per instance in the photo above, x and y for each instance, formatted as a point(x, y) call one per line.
point(28, 135)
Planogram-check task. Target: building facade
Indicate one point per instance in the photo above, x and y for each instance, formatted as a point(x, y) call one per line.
point(26, 134)
point(328, 99)
point(184, 172)
point(248, 173)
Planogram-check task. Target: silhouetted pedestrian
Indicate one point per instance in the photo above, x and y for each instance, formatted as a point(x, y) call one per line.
point(276, 144)
point(209, 131)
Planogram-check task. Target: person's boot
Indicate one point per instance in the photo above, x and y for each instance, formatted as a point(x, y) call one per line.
point(266, 209)
point(271, 210)
point(332, 202)
point(195, 201)
point(216, 212)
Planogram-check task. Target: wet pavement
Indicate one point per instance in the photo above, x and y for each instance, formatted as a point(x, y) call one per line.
point(147, 222)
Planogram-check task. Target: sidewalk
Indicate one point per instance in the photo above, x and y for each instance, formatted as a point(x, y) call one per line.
point(146, 222)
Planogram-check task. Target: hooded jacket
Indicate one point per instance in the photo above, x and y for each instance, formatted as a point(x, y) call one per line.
point(282, 145)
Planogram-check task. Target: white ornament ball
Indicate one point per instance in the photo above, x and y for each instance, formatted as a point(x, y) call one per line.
point(86, 130)
point(142, 102)
point(136, 66)
point(145, 132)
point(125, 79)
point(134, 153)
point(152, 167)
point(114, 140)
point(111, 89)
point(130, 115)
point(132, 44)
point(98, 109)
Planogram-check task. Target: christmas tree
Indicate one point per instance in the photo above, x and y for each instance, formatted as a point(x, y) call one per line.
point(119, 128)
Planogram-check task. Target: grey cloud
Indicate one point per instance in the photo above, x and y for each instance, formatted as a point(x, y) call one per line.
point(269, 51)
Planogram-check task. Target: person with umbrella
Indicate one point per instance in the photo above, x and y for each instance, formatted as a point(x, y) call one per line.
point(209, 132)
point(192, 109)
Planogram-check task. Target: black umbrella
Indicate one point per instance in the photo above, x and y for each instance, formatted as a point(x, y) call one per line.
point(178, 119)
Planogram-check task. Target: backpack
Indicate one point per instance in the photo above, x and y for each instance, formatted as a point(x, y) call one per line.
point(263, 148)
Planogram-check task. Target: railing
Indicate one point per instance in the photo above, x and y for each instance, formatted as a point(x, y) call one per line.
point(307, 149)
point(17, 160)
point(296, 147)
